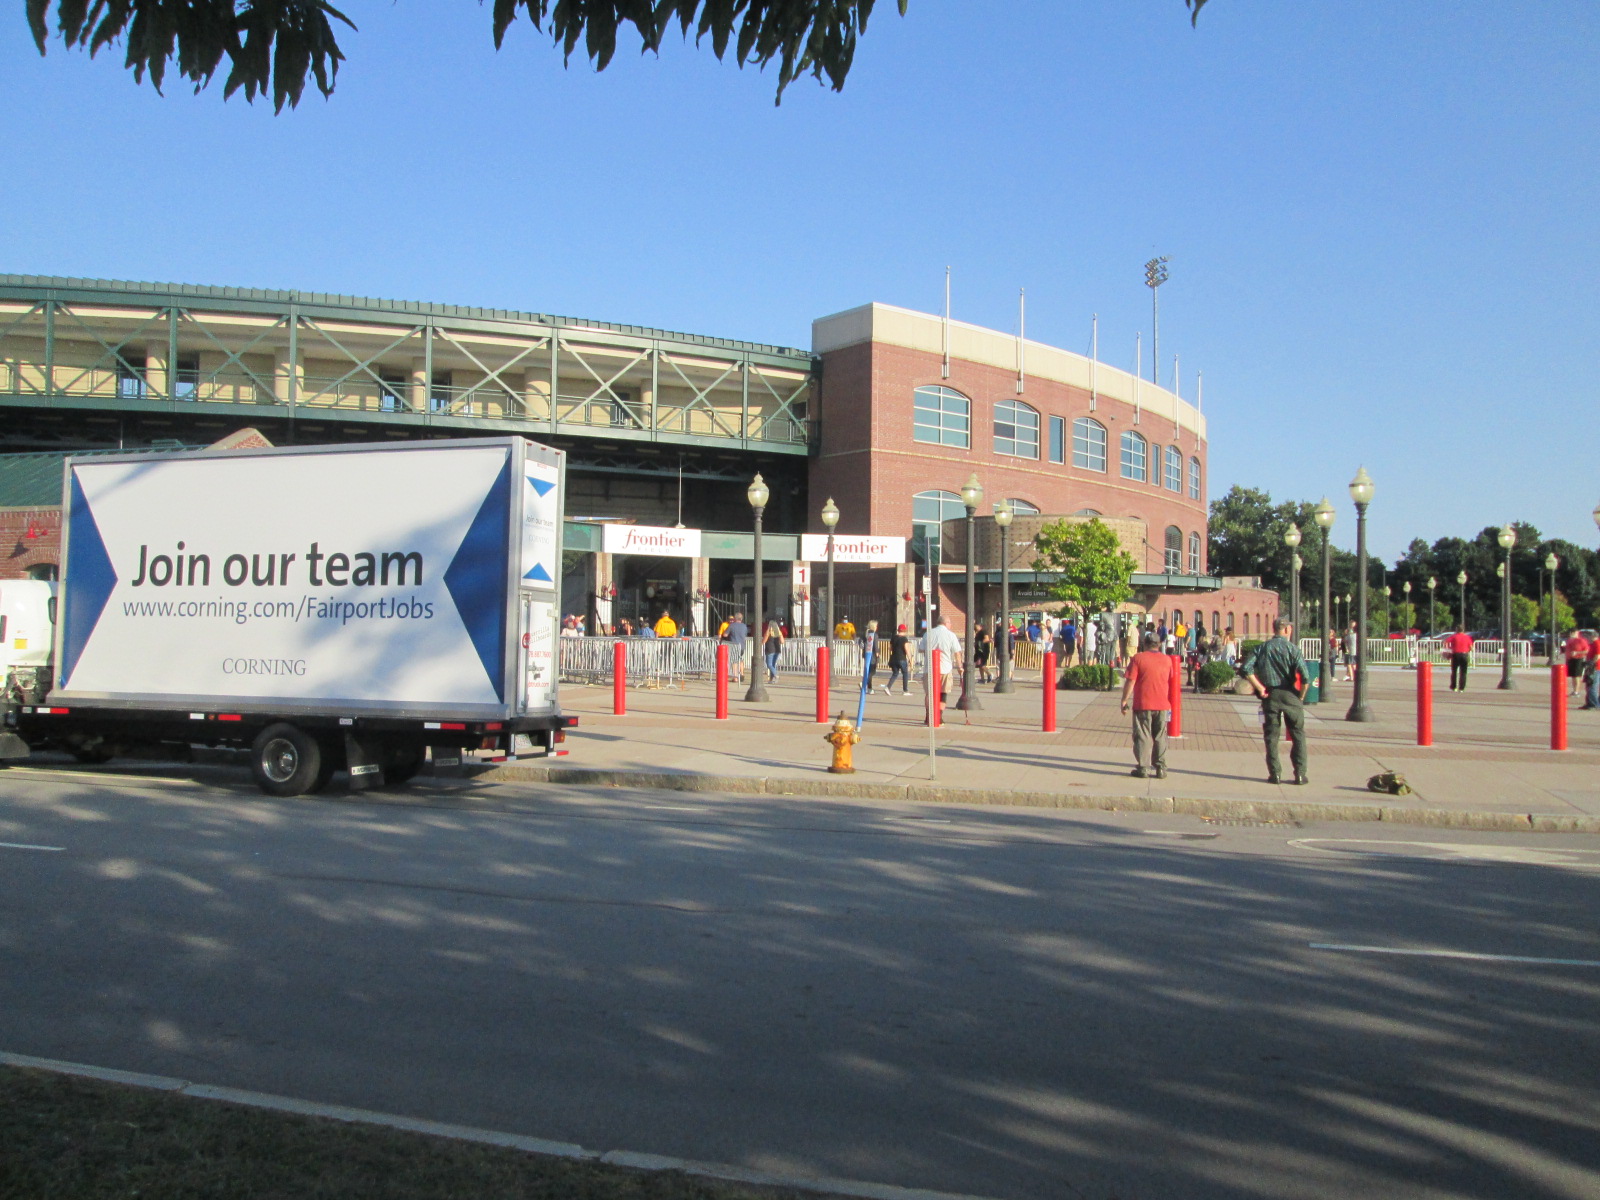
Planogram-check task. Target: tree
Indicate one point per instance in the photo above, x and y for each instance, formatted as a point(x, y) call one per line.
point(282, 42)
point(1524, 615)
point(1094, 570)
point(1565, 618)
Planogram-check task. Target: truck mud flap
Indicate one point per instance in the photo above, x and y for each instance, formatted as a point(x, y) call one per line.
point(363, 763)
point(11, 746)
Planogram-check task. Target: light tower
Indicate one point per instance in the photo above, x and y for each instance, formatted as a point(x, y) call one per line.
point(1155, 274)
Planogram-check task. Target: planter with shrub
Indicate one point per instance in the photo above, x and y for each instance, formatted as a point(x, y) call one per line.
point(1089, 677)
point(1216, 676)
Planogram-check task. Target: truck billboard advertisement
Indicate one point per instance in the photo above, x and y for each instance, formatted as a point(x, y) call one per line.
point(380, 577)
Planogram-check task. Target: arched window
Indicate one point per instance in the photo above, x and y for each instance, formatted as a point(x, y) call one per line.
point(1087, 512)
point(1174, 558)
point(1216, 621)
point(929, 510)
point(1023, 506)
point(1088, 444)
point(1134, 449)
point(1194, 554)
point(1016, 429)
point(1173, 478)
point(1194, 479)
point(944, 416)
point(1199, 620)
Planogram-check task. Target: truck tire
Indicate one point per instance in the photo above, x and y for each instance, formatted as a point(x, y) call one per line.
point(286, 761)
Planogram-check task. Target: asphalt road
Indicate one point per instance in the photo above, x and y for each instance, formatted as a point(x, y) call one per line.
point(1004, 1003)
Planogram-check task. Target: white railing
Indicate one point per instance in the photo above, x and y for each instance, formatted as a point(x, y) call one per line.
point(667, 662)
point(1405, 651)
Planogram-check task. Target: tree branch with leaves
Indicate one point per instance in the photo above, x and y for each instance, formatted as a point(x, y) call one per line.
point(1094, 572)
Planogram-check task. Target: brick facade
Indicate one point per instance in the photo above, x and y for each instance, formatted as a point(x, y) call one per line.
point(870, 462)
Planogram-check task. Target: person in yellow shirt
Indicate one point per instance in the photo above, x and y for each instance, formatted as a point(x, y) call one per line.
point(666, 626)
point(844, 631)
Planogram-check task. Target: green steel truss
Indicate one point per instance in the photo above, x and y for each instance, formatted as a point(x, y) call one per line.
point(87, 344)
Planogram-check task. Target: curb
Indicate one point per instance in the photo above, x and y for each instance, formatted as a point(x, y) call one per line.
point(923, 793)
point(817, 1185)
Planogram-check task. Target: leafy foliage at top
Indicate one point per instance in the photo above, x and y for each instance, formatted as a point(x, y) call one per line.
point(280, 43)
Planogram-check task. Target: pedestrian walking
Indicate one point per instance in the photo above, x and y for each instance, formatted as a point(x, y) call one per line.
point(899, 662)
point(1577, 652)
point(1279, 676)
point(1148, 685)
point(771, 647)
point(1351, 637)
point(869, 652)
point(949, 647)
point(738, 635)
point(1069, 640)
point(1591, 675)
point(980, 652)
point(1459, 644)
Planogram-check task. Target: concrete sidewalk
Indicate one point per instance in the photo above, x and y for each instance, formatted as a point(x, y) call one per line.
point(1490, 766)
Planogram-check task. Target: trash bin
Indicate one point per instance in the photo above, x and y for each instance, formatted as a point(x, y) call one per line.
point(1314, 688)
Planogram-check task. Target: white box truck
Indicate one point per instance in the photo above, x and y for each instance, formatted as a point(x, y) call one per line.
point(329, 608)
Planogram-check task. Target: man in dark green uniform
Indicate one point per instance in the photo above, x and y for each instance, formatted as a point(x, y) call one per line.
point(1278, 674)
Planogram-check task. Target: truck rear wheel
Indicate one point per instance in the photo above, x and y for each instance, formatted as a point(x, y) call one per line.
point(286, 761)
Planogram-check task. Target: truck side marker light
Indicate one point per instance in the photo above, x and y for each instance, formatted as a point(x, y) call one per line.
point(229, 717)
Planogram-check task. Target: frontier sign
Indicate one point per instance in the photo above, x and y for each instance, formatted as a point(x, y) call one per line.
point(648, 539)
point(852, 548)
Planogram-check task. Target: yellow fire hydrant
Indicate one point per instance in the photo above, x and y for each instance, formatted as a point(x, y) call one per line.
point(842, 737)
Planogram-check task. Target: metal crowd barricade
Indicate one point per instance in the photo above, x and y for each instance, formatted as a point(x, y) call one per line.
point(651, 662)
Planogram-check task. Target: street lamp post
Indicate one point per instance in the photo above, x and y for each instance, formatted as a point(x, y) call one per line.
point(830, 518)
point(1291, 539)
point(971, 496)
point(757, 494)
point(1551, 562)
point(1346, 609)
point(1410, 617)
point(1386, 610)
point(1461, 578)
point(1433, 625)
point(1361, 490)
point(1507, 539)
point(1324, 515)
point(1002, 629)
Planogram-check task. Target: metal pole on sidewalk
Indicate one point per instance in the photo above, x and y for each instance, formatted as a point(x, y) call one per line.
point(1361, 490)
point(1324, 515)
point(1507, 539)
point(830, 518)
point(971, 496)
point(1002, 632)
point(757, 494)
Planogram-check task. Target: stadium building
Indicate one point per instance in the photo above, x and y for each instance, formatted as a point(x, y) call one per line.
point(888, 413)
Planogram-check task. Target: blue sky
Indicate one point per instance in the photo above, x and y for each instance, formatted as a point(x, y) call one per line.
point(1380, 217)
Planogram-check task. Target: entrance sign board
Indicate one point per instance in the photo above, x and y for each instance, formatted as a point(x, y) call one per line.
point(651, 540)
point(853, 548)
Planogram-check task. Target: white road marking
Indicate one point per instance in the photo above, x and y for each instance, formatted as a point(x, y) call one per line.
point(21, 846)
point(1467, 954)
point(1546, 856)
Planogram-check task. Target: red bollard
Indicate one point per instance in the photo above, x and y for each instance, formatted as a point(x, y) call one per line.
point(619, 679)
point(1558, 707)
point(722, 681)
point(936, 687)
point(1424, 704)
point(1175, 697)
point(822, 684)
point(1047, 722)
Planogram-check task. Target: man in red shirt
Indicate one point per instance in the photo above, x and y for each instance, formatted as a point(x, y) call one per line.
point(1148, 682)
point(1577, 651)
point(1459, 644)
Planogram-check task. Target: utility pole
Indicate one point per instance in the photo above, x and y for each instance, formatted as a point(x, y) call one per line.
point(1155, 274)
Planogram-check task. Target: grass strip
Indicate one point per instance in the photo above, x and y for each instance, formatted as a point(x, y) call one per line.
point(68, 1138)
